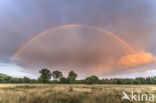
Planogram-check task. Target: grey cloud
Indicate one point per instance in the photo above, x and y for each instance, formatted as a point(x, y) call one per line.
point(80, 48)
point(134, 21)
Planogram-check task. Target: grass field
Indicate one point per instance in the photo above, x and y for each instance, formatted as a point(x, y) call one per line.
point(49, 93)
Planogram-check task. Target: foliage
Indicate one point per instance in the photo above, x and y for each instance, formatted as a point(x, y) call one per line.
point(57, 75)
point(92, 80)
point(4, 78)
point(64, 80)
point(72, 77)
point(45, 75)
point(26, 80)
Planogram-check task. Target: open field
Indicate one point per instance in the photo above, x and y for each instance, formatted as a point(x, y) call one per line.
point(50, 93)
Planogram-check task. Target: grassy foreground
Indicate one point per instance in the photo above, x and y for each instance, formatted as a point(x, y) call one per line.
point(50, 93)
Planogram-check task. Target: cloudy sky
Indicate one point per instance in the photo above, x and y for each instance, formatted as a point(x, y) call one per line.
point(109, 38)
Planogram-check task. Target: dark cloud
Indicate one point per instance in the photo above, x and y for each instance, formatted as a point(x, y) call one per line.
point(81, 48)
point(134, 21)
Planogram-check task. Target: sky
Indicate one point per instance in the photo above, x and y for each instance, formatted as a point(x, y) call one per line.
point(108, 38)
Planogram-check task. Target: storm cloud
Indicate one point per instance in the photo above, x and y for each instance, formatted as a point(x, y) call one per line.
point(81, 48)
point(133, 21)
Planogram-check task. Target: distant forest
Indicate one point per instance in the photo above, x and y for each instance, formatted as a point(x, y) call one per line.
point(56, 77)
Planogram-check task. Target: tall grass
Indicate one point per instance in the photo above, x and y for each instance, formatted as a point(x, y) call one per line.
point(68, 93)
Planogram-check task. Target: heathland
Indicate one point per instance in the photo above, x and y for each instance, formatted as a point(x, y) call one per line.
point(53, 87)
point(69, 93)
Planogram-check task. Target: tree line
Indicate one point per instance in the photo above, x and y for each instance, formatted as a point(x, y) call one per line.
point(56, 77)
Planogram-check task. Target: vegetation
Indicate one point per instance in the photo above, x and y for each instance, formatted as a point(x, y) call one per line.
point(45, 76)
point(57, 75)
point(92, 80)
point(59, 89)
point(72, 77)
point(58, 78)
point(63, 93)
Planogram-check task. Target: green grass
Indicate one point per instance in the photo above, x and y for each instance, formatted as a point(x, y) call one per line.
point(48, 93)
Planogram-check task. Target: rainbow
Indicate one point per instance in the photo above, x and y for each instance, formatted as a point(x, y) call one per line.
point(73, 25)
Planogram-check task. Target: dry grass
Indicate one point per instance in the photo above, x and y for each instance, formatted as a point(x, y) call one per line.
point(49, 93)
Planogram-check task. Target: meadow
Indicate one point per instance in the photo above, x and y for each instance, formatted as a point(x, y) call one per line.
point(63, 93)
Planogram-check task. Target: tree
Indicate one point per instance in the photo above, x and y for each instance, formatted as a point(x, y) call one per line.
point(92, 80)
point(57, 75)
point(72, 77)
point(4, 78)
point(64, 80)
point(26, 80)
point(45, 75)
